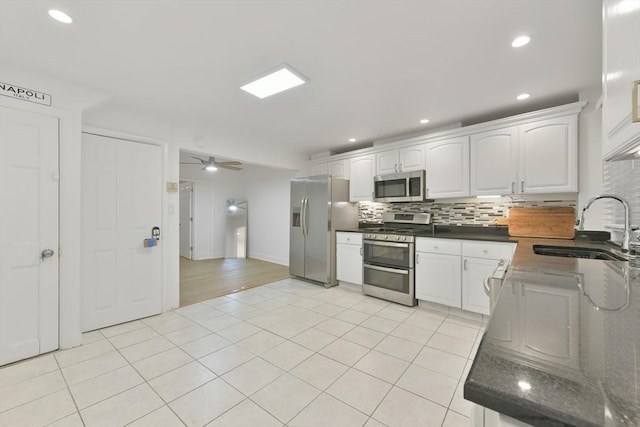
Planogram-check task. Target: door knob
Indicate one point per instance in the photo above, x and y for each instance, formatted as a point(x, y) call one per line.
point(47, 253)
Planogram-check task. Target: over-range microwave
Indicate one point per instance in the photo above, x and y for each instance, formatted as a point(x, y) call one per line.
point(400, 187)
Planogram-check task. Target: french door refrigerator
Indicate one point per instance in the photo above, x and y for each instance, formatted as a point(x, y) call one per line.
point(319, 206)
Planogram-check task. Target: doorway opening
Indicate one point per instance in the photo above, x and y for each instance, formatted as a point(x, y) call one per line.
point(233, 226)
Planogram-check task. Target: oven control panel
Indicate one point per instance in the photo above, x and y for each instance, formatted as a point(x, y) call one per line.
point(389, 237)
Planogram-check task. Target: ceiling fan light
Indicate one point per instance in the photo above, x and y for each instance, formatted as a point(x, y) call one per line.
point(60, 16)
point(211, 168)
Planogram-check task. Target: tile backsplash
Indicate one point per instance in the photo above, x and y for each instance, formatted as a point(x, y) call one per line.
point(623, 179)
point(467, 212)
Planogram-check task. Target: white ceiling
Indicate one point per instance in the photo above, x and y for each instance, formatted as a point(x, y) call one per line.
point(375, 67)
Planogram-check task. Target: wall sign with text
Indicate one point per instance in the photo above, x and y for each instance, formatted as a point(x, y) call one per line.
point(24, 94)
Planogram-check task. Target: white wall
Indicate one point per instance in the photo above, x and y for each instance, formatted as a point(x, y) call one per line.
point(268, 195)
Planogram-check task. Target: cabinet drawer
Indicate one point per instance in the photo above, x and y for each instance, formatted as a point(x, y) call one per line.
point(488, 250)
point(439, 246)
point(349, 238)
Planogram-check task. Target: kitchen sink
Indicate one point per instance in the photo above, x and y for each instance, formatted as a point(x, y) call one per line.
point(577, 252)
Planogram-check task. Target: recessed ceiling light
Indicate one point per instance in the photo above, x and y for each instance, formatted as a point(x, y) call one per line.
point(60, 16)
point(274, 82)
point(521, 41)
point(522, 96)
point(424, 121)
point(352, 140)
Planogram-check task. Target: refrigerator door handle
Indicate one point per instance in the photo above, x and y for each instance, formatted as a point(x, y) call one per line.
point(302, 216)
point(305, 206)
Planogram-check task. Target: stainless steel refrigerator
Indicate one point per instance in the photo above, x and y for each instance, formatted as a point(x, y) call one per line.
point(319, 206)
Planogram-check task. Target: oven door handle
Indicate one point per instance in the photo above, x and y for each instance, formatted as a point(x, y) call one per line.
point(389, 244)
point(388, 270)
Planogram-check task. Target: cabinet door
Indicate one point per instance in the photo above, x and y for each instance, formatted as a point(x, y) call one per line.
point(412, 158)
point(438, 278)
point(548, 153)
point(549, 323)
point(621, 67)
point(494, 162)
point(319, 169)
point(339, 169)
point(362, 169)
point(387, 162)
point(474, 271)
point(447, 164)
point(349, 263)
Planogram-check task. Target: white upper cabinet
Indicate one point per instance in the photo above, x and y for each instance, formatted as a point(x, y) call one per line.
point(548, 156)
point(387, 162)
point(319, 169)
point(403, 160)
point(412, 158)
point(494, 162)
point(537, 157)
point(447, 164)
point(362, 169)
point(337, 169)
point(621, 67)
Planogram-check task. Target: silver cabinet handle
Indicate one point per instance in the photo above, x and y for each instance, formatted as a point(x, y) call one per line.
point(635, 114)
point(395, 167)
point(361, 251)
point(513, 187)
point(487, 290)
point(417, 258)
point(522, 186)
point(464, 264)
point(47, 253)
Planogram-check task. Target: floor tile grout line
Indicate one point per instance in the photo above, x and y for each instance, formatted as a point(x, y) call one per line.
point(73, 399)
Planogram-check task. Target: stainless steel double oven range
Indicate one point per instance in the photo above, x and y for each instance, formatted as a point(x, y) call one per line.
point(389, 253)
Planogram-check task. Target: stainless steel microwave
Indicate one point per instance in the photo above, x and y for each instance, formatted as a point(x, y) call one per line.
point(400, 187)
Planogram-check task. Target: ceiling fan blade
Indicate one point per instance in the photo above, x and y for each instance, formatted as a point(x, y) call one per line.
point(223, 164)
point(188, 163)
point(235, 168)
point(198, 158)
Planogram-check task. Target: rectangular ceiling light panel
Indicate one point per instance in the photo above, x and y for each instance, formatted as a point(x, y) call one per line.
point(275, 82)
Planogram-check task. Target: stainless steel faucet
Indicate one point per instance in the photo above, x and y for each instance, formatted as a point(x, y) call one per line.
point(627, 217)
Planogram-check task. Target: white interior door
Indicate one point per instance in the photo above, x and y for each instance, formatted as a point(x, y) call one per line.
point(186, 219)
point(28, 226)
point(121, 203)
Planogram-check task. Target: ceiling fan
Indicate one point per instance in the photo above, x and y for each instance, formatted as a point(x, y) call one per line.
point(211, 164)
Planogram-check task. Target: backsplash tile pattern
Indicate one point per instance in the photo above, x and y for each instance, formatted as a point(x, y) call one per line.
point(455, 213)
point(623, 179)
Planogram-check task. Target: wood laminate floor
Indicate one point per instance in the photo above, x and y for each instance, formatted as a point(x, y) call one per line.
point(206, 279)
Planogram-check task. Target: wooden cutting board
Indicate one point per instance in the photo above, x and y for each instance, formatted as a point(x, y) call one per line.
point(548, 222)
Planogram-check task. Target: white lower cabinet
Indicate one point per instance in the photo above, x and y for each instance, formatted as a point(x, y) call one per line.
point(479, 260)
point(349, 257)
point(452, 272)
point(437, 270)
point(474, 271)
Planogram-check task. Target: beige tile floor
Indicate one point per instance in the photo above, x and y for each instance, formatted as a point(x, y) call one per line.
point(288, 353)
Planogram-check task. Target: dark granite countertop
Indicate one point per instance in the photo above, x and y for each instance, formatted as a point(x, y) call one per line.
point(562, 347)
